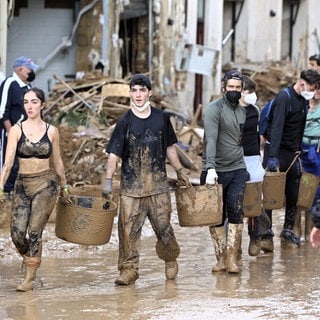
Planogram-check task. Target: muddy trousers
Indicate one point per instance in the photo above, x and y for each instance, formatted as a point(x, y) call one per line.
point(33, 201)
point(132, 215)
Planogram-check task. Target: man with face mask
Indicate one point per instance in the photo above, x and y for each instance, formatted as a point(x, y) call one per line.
point(223, 163)
point(285, 128)
point(12, 110)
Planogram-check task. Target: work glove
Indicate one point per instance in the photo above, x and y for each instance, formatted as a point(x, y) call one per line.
point(273, 164)
point(107, 189)
point(212, 177)
point(64, 192)
point(2, 196)
point(183, 178)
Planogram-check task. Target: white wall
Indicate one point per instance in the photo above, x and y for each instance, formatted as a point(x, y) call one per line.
point(35, 34)
point(258, 34)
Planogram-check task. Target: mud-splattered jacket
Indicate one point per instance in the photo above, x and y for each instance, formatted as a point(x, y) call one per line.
point(142, 146)
point(223, 126)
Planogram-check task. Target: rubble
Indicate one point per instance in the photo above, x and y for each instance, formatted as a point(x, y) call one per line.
point(86, 118)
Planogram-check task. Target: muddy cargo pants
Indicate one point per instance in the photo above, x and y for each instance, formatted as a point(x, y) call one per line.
point(33, 201)
point(133, 212)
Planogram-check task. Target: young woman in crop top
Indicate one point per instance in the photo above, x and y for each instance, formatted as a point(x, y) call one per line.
point(36, 144)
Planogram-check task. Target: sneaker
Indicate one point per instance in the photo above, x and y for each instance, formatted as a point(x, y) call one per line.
point(254, 246)
point(289, 240)
point(127, 277)
point(171, 269)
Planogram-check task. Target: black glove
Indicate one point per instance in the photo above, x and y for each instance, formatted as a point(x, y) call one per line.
point(183, 178)
point(107, 189)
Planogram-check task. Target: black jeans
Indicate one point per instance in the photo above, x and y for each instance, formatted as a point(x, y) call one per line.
point(292, 183)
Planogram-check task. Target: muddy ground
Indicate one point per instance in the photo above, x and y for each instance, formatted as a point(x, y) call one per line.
point(76, 282)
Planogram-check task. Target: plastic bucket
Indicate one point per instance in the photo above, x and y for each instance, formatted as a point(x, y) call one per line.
point(89, 190)
point(199, 205)
point(84, 221)
point(252, 199)
point(307, 189)
point(273, 189)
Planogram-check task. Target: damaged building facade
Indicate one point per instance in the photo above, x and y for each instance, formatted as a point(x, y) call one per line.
point(183, 45)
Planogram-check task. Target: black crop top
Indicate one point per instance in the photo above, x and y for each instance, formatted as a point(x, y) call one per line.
point(28, 149)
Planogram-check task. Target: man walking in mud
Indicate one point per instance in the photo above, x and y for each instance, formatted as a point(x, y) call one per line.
point(223, 162)
point(143, 138)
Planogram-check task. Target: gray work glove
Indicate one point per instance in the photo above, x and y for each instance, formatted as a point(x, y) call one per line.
point(107, 189)
point(183, 178)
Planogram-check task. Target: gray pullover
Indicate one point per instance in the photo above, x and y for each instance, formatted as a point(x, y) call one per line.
point(223, 125)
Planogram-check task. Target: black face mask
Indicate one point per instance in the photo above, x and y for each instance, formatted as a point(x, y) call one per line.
point(233, 96)
point(31, 76)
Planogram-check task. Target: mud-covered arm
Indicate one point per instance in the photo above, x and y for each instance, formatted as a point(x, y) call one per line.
point(111, 165)
point(173, 158)
point(12, 142)
point(56, 159)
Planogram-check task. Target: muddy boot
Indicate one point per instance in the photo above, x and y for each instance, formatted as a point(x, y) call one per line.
point(297, 223)
point(233, 242)
point(308, 224)
point(218, 236)
point(289, 240)
point(171, 269)
point(127, 277)
point(267, 242)
point(254, 246)
point(31, 264)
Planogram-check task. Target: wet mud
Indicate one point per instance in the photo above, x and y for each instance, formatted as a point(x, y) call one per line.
point(76, 282)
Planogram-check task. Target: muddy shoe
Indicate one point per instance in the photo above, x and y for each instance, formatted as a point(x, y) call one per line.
point(254, 246)
point(267, 243)
point(127, 277)
point(289, 240)
point(171, 269)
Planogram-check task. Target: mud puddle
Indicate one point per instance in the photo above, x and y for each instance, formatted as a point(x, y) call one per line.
point(77, 282)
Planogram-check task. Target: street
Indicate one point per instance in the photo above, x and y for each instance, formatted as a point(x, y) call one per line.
point(76, 282)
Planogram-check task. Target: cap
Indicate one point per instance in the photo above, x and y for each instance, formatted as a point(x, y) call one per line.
point(25, 62)
point(233, 74)
point(140, 79)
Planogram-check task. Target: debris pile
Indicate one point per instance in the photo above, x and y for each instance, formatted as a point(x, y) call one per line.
point(86, 110)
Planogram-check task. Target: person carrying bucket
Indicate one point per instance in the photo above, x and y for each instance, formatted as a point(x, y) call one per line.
point(143, 138)
point(223, 163)
point(285, 129)
point(252, 157)
point(36, 144)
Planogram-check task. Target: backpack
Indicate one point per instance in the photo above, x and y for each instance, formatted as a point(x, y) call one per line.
point(264, 115)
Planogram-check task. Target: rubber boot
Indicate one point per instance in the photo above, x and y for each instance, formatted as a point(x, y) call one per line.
point(308, 224)
point(233, 242)
point(31, 265)
point(297, 223)
point(218, 236)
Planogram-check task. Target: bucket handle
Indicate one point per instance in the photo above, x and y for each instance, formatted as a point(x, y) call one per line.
point(294, 160)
